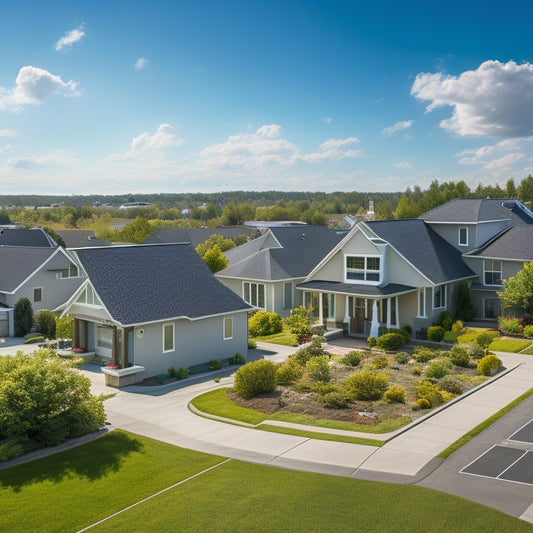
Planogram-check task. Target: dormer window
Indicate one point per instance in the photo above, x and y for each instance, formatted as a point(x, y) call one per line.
point(463, 236)
point(363, 268)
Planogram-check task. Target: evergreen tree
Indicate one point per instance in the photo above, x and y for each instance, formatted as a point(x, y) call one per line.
point(23, 317)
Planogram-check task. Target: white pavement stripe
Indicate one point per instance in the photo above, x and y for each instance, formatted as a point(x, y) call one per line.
point(153, 496)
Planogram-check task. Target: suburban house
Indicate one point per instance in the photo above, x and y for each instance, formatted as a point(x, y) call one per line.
point(198, 235)
point(145, 308)
point(265, 271)
point(77, 238)
point(35, 267)
point(385, 274)
point(495, 237)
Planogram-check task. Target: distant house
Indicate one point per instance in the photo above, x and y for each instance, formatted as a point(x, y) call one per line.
point(265, 271)
point(80, 238)
point(198, 235)
point(148, 307)
point(33, 266)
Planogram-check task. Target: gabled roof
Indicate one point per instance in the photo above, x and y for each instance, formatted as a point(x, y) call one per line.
point(149, 283)
point(475, 210)
point(515, 243)
point(281, 253)
point(34, 237)
point(18, 263)
point(80, 238)
point(424, 248)
point(197, 235)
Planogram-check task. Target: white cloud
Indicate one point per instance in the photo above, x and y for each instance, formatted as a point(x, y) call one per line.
point(402, 125)
point(30, 161)
point(32, 86)
point(496, 100)
point(140, 63)
point(403, 164)
point(8, 133)
point(327, 120)
point(149, 144)
point(70, 38)
point(334, 149)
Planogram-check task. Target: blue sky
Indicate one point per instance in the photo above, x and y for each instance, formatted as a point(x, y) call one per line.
point(106, 97)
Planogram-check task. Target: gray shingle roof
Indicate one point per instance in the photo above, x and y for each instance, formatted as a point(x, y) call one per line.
point(80, 238)
point(18, 262)
point(35, 237)
point(515, 243)
point(299, 250)
point(438, 260)
point(141, 284)
point(197, 235)
point(356, 289)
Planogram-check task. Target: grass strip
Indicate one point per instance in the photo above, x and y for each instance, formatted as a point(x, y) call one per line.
point(216, 402)
point(285, 338)
point(484, 425)
point(509, 345)
point(320, 436)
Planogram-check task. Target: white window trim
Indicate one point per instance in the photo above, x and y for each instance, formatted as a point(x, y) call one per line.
point(292, 295)
point(258, 283)
point(422, 312)
point(364, 281)
point(230, 317)
point(492, 270)
point(459, 236)
point(165, 325)
point(443, 297)
point(42, 294)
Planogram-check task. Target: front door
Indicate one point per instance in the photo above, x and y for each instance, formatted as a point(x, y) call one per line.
point(357, 316)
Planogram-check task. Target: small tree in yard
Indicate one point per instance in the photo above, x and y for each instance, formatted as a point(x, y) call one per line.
point(255, 378)
point(64, 327)
point(518, 293)
point(464, 308)
point(46, 323)
point(23, 317)
point(264, 323)
point(215, 259)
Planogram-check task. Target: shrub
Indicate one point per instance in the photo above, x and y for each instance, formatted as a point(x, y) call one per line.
point(252, 344)
point(298, 322)
point(436, 370)
point(528, 331)
point(475, 351)
point(380, 362)
point(237, 359)
point(459, 356)
point(371, 342)
point(352, 358)
point(423, 354)
point(215, 364)
point(445, 320)
point(334, 400)
point(423, 403)
point(64, 327)
point(313, 350)
point(405, 332)
point(457, 326)
point(23, 317)
point(178, 373)
point(416, 370)
point(429, 391)
point(510, 325)
point(488, 365)
point(408, 329)
point(395, 394)
point(402, 358)
point(435, 333)
point(485, 339)
point(46, 323)
point(318, 368)
point(464, 308)
point(263, 323)
point(448, 383)
point(289, 371)
point(255, 378)
point(366, 385)
point(390, 341)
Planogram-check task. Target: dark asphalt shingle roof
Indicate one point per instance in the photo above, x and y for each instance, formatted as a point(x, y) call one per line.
point(515, 243)
point(18, 262)
point(299, 250)
point(197, 235)
point(438, 260)
point(80, 238)
point(35, 237)
point(141, 284)
point(355, 288)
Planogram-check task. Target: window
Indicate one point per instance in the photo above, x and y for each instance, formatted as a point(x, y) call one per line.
point(287, 295)
point(228, 327)
point(421, 302)
point(393, 313)
point(439, 297)
point(168, 337)
point(491, 308)
point(72, 271)
point(37, 295)
point(254, 294)
point(463, 236)
point(493, 272)
point(363, 268)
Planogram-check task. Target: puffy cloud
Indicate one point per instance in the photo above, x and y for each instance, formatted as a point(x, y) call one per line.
point(70, 38)
point(496, 100)
point(402, 125)
point(32, 86)
point(140, 63)
point(162, 139)
point(8, 133)
point(501, 155)
point(334, 149)
point(30, 161)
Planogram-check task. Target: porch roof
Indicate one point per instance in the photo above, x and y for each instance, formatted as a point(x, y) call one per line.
point(356, 289)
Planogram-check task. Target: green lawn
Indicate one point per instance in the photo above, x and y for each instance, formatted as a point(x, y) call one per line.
point(509, 345)
point(285, 338)
point(72, 490)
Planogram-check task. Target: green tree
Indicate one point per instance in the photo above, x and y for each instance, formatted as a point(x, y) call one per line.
point(64, 327)
point(46, 323)
point(518, 292)
point(44, 401)
point(510, 189)
point(215, 259)
point(215, 239)
point(56, 237)
point(464, 308)
point(136, 231)
point(525, 189)
point(23, 317)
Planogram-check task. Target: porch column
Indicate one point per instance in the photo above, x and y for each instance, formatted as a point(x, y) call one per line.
point(347, 310)
point(388, 312)
point(114, 348)
point(320, 309)
point(124, 348)
point(397, 308)
point(82, 334)
point(75, 333)
point(11, 322)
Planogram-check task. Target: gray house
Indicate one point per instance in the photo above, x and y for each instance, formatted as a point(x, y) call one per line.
point(148, 307)
point(265, 271)
point(34, 267)
point(495, 237)
point(385, 274)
